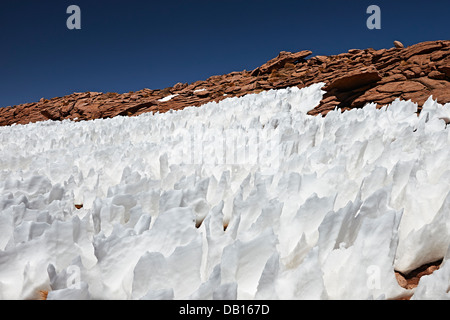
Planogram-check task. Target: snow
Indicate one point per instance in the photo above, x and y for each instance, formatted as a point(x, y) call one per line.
point(248, 198)
point(168, 98)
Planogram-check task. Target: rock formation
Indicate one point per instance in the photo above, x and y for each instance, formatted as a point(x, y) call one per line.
point(352, 79)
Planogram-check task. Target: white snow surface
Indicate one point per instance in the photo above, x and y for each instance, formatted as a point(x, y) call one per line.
point(168, 98)
point(314, 207)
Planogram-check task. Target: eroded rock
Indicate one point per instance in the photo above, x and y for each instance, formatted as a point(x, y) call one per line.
point(352, 79)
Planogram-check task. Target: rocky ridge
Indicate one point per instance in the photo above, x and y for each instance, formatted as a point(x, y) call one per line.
point(352, 79)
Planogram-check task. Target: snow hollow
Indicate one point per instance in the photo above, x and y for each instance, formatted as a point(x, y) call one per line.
point(249, 198)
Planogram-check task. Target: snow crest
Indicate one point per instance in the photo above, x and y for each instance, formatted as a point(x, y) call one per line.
point(248, 198)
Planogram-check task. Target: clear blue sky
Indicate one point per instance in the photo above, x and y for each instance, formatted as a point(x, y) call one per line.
point(130, 45)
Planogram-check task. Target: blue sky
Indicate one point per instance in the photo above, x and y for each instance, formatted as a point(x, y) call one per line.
point(130, 45)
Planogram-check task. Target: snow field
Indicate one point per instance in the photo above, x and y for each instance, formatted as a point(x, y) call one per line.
point(248, 198)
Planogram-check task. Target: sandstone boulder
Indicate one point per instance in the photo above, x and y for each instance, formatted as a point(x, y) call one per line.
point(282, 59)
point(355, 79)
point(398, 44)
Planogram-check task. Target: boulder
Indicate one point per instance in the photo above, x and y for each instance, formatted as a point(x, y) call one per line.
point(355, 79)
point(282, 59)
point(398, 44)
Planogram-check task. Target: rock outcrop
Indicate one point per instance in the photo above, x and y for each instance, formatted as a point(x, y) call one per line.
point(352, 79)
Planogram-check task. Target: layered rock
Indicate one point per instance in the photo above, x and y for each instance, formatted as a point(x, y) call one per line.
point(352, 79)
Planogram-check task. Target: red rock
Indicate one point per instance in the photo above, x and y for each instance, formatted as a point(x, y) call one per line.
point(282, 59)
point(400, 87)
point(416, 70)
point(417, 96)
point(412, 279)
point(398, 44)
point(422, 48)
point(436, 75)
point(202, 93)
point(180, 86)
point(445, 69)
point(401, 280)
point(392, 78)
point(322, 58)
point(432, 83)
point(372, 95)
point(377, 54)
point(439, 55)
point(409, 74)
point(442, 95)
point(66, 109)
point(355, 79)
point(50, 114)
point(352, 79)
